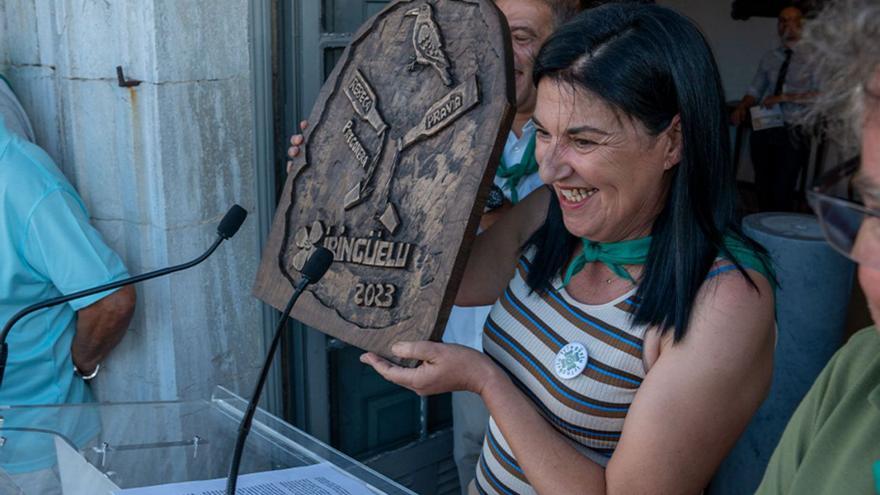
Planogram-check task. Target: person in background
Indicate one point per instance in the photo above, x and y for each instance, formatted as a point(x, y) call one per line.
point(832, 442)
point(49, 248)
point(783, 79)
point(631, 339)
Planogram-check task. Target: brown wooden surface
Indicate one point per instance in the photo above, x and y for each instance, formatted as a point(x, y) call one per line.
point(398, 159)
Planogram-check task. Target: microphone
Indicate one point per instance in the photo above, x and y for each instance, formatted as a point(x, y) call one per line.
point(227, 228)
point(231, 222)
point(315, 268)
point(317, 265)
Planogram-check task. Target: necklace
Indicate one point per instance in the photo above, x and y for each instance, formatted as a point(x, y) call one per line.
point(613, 254)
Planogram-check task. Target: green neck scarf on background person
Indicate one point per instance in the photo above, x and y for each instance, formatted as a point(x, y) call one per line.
point(635, 252)
point(515, 173)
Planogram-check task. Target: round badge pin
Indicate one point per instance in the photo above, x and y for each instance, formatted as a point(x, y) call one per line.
point(571, 360)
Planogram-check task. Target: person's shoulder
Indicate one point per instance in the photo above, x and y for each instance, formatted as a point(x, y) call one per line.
point(771, 55)
point(853, 367)
point(799, 50)
point(866, 338)
point(739, 253)
point(28, 175)
point(23, 158)
point(726, 282)
point(734, 310)
point(858, 354)
point(25, 163)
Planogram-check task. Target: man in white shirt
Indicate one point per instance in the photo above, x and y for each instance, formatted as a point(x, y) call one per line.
point(783, 79)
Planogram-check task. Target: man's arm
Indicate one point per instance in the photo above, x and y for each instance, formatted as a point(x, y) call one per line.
point(495, 252)
point(759, 85)
point(59, 221)
point(739, 115)
point(100, 326)
point(490, 217)
point(790, 98)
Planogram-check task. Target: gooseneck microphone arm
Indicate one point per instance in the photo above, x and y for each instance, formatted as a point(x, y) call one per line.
point(226, 229)
point(314, 269)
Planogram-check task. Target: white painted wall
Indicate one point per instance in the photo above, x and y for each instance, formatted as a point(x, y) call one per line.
point(157, 166)
point(738, 47)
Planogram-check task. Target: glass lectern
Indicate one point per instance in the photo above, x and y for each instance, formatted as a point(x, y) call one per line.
point(101, 448)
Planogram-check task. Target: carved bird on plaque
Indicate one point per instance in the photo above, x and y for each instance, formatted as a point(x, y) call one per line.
point(428, 43)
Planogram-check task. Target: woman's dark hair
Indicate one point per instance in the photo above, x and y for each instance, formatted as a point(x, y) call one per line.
point(650, 64)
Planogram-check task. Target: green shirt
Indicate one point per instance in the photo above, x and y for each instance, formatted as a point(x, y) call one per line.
point(832, 442)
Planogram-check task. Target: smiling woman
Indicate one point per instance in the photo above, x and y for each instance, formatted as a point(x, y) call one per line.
point(635, 122)
point(610, 174)
point(632, 337)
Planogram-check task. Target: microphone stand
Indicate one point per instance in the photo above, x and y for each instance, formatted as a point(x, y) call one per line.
point(315, 268)
point(228, 226)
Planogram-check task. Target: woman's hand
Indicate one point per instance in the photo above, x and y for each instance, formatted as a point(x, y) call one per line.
point(444, 368)
point(296, 142)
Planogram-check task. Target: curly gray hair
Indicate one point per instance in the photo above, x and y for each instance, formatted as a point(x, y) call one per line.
point(843, 43)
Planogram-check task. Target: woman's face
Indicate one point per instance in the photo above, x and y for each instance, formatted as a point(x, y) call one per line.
point(870, 178)
point(609, 174)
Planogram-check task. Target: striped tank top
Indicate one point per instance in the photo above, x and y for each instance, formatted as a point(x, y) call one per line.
point(523, 334)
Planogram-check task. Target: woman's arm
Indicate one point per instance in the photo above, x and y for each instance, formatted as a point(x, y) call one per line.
point(694, 403)
point(495, 252)
point(701, 393)
point(690, 409)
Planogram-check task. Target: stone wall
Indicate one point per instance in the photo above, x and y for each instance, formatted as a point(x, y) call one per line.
point(157, 165)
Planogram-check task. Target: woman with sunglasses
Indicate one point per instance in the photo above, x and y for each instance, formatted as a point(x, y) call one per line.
point(832, 442)
point(632, 333)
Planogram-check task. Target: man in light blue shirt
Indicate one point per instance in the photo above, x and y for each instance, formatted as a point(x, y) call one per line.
point(48, 248)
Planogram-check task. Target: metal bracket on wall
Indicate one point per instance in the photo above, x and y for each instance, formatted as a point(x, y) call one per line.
point(123, 82)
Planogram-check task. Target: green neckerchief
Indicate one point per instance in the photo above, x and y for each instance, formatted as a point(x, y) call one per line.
point(635, 252)
point(750, 259)
point(613, 254)
point(514, 174)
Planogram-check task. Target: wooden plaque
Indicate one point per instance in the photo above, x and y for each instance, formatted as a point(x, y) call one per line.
point(397, 163)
